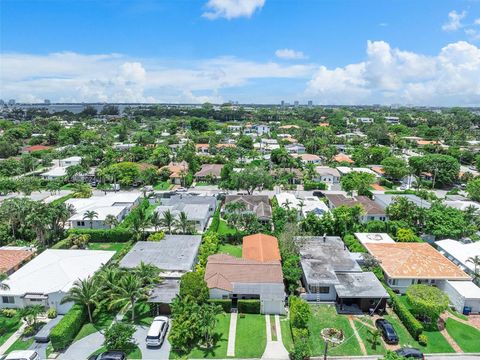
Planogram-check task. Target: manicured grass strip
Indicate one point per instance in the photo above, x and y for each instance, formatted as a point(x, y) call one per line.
point(8, 326)
point(273, 328)
point(467, 337)
point(325, 316)
point(20, 344)
point(234, 250)
point(365, 335)
point(458, 315)
point(102, 320)
point(224, 229)
point(164, 185)
point(436, 343)
point(219, 350)
point(251, 336)
point(286, 333)
point(107, 246)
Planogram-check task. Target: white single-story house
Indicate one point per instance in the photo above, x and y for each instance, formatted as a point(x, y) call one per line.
point(459, 253)
point(47, 278)
point(463, 295)
point(117, 204)
point(327, 175)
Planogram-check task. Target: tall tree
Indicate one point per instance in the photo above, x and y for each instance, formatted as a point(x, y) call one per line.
point(85, 292)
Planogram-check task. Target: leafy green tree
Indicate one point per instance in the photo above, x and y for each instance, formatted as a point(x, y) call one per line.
point(473, 189)
point(427, 301)
point(406, 235)
point(82, 190)
point(395, 168)
point(149, 274)
point(161, 156)
point(119, 336)
point(85, 292)
point(444, 168)
point(357, 181)
point(111, 221)
point(250, 179)
point(193, 285)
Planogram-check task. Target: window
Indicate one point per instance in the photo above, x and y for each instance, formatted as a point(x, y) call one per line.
point(316, 289)
point(393, 282)
point(80, 223)
point(8, 300)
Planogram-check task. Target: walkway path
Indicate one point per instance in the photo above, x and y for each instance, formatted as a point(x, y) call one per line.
point(14, 337)
point(274, 349)
point(232, 333)
point(357, 335)
point(83, 348)
point(473, 320)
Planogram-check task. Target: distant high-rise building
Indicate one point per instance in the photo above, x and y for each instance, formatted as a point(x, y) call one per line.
point(282, 103)
point(2, 102)
point(295, 103)
point(46, 102)
point(11, 102)
point(310, 103)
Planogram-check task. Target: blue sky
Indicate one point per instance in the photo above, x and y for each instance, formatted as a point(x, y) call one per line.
point(335, 51)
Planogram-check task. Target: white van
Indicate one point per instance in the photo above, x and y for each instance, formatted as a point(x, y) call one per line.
point(23, 355)
point(157, 332)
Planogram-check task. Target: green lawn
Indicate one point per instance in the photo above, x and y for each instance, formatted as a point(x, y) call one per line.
point(286, 333)
point(143, 315)
point(436, 342)
point(219, 350)
point(113, 246)
point(164, 185)
point(325, 316)
point(101, 321)
point(21, 344)
point(365, 335)
point(467, 337)
point(234, 250)
point(224, 229)
point(457, 314)
point(251, 336)
point(202, 183)
point(135, 353)
point(7, 327)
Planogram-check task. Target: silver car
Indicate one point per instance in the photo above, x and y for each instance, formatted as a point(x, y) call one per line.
point(157, 332)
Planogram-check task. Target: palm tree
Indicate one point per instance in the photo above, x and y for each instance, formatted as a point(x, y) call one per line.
point(168, 220)
point(374, 338)
point(184, 224)
point(129, 291)
point(148, 273)
point(156, 220)
point(475, 260)
point(84, 292)
point(109, 277)
point(287, 204)
point(90, 215)
point(3, 285)
point(111, 221)
point(82, 190)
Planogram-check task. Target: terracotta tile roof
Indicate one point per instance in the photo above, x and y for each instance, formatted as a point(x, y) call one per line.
point(342, 158)
point(307, 157)
point(378, 169)
point(428, 142)
point(260, 247)
point(176, 168)
point(414, 260)
point(223, 271)
point(10, 259)
point(202, 146)
point(221, 146)
point(210, 169)
point(36, 148)
point(324, 124)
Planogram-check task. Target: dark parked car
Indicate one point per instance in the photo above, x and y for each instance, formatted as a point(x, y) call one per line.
point(410, 353)
point(109, 355)
point(388, 332)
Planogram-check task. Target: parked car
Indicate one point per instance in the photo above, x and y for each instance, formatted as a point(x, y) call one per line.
point(387, 330)
point(157, 332)
point(109, 355)
point(23, 355)
point(410, 353)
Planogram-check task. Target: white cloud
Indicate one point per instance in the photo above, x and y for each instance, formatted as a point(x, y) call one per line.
point(454, 21)
point(477, 21)
point(289, 54)
point(230, 9)
point(395, 76)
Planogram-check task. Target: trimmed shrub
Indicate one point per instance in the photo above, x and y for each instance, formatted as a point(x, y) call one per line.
point(52, 313)
point(353, 244)
point(62, 244)
point(301, 351)
point(414, 327)
point(65, 331)
point(314, 185)
point(9, 313)
point(299, 334)
point(300, 313)
point(423, 340)
point(104, 235)
point(225, 304)
point(249, 306)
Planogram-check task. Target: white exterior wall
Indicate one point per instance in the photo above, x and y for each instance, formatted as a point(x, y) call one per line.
point(331, 296)
point(458, 300)
point(402, 284)
point(53, 301)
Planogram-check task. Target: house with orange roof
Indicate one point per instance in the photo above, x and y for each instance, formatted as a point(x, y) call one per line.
point(260, 247)
point(421, 143)
point(202, 149)
point(342, 158)
point(34, 148)
point(406, 264)
point(308, 158)
point(178, 171)
point(13, 257)
point(226, 146)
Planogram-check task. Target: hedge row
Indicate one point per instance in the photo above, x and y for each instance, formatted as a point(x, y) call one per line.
point(413, 326)
point(105, 235)
point(65, 331)
point(249, 306)
point(353, 244)
point(314, 185)
point(225, 304)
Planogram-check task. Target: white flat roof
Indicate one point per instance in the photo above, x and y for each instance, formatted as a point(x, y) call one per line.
point(374, 238)
point(102, 213)
point(346, 170)
point(55, 270)
point(56, 172)
point(460, 251)
point(466, 288)
point(98, 203)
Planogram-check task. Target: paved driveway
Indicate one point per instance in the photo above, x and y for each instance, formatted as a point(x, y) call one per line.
point(151, 353)
point(83, 348)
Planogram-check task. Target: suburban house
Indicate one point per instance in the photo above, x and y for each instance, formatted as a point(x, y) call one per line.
point(178, 171)
point(47, 278)
point(392, 120)
point(327, 175)
point(59, 168)
point(384, 200)
point(331, 273)
point(256, 204)
point(257, 275)
point(373, 211)
point(344, 170)
point(405, 264)
point(460, 253)
point(308, 158)
point(209, 172)
point(463, 295)
point(70, 161)
point(295, 175)
point(295, 148)
point(267, 145)
point(198, 209)
point(13, 257)
point(175, 255)
point(202, 149)
point(342, 158)
point(117, 204)
point(34, 148)
point(365, 120)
